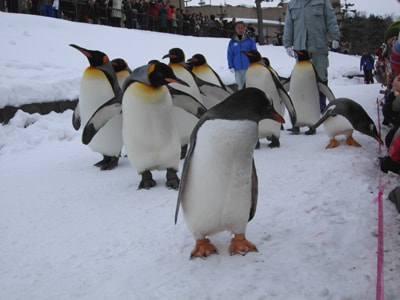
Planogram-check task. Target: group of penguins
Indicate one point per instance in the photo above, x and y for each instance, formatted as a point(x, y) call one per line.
point(158, 109)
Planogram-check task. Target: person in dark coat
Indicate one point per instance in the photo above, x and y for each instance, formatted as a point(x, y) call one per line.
point(367, 65)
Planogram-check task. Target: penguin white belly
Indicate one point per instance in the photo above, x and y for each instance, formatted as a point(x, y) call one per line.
point(217, 195)
point(206, 74)
point(149, 131)
point(259, 77)
point(304, 93)
point(185, 123)
point(338, 125)
point(95, 90)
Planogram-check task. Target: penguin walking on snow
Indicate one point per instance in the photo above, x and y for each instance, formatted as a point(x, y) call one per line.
point(265, 78)
point(341, 117)
point(219, 184)
point(304, 88)
point(149, 131)
point(99, 85)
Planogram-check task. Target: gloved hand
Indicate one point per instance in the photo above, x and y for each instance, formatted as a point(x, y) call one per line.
point(232, 70)
point(290, 51)
point(335, 44)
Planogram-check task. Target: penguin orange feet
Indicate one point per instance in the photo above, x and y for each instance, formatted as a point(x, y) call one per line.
point(352, 142)
point(239, 245)
point(332, 144)
point(203, 248)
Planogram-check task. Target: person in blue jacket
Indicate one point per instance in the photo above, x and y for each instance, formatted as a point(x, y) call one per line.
point(237, 61)
point(367, 65)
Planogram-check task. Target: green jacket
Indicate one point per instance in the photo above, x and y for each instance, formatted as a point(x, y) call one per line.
point(307, 24)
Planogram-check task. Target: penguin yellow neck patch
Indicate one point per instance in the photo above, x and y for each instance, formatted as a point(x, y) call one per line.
point(147, 92)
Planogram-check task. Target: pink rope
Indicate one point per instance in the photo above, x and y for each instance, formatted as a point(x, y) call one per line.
point(379, 271)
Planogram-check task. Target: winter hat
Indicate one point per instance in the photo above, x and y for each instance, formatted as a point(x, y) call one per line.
point(392, 30)
point(395, 57)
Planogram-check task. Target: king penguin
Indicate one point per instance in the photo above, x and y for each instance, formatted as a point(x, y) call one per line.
point(185, 122)
point(219, 186)
point(99, 85)
point(304, 88)
point(203, 70)
point(149, 131)
point(341, 117)
point(265, 78)
point(121, 69)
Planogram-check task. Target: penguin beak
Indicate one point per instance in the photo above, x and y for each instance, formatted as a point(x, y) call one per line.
point(82, 50)
point(176, 80)
point(169, 55)
point(277, 117)
point(273, 115)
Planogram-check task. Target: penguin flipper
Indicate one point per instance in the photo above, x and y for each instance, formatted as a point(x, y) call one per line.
point(213, 94)
point(289, 106)
point(186, 166)
point(187, 102)
point(285, 82)
point(254, 192)
point(100, 117)
point(76, 117)
point(287, 100)
point(324, 89)
point(328, 112)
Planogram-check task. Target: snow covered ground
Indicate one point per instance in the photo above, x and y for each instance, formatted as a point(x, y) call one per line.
point(70, 231)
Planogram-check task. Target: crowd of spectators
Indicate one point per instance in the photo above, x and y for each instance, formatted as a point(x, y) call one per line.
point(154, 15)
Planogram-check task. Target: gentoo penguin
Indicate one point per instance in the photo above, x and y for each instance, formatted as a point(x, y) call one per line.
point(304, 88)
point(99, 85)
point(341, 117)
point(121, 69)
point(265, 78)
point(202, 70)
point(185, 122)
point(219, 184)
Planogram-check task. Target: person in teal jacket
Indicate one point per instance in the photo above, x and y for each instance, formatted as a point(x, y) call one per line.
point(307, 25)
point(237, 61)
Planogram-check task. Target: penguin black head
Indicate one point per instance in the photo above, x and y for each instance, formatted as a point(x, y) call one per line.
point(356, 115)
point(96, 58)
point(197, 60)
point(370, 129)
point(266, 62)
point(252, 55)
point(176, 55)
point(161, 74)
point(302, 55)
point(362, 121)
point(119, 64)
point(246, 104)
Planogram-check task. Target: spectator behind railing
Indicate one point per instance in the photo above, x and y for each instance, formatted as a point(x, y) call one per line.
point(47, 8)
point(137, 14)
